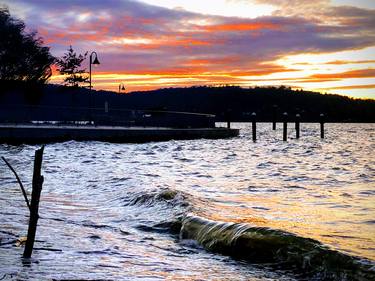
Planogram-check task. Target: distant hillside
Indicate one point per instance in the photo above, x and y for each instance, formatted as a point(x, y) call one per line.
point(54, 102)
point(239, 103)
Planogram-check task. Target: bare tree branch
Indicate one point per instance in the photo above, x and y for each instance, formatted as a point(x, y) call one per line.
point(19, 181)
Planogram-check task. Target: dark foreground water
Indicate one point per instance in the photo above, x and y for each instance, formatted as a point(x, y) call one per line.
point(198, 210)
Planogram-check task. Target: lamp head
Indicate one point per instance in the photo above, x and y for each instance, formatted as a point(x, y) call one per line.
point(96, 61)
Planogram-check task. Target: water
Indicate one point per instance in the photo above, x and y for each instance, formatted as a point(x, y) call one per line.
point(198, 210)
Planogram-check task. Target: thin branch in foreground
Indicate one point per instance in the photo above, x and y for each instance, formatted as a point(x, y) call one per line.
point(19, 182)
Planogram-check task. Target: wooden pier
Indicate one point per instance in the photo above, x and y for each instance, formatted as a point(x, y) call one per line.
point(29, 133)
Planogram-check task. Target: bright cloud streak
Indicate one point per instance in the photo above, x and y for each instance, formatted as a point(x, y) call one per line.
point(366, 4)
point(228, 8)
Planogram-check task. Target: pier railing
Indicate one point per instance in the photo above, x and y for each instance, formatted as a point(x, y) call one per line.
point(104, 115)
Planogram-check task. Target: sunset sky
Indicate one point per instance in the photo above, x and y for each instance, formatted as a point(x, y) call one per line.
point(322, 45)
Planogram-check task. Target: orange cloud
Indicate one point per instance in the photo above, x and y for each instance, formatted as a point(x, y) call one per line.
point(94, 32)
point(172, 71)
point(341, 62)
point(213, 61)
point(264, 70)
point(370, 86)
point(187, 42)
point(165, 42)
point(247, 26)
point(362, 73)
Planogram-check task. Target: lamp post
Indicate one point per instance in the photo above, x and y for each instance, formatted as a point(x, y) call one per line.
point(95, 61)
point(121, 87)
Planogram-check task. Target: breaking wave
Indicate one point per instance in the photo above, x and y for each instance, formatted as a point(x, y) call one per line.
point(307, 258)
point(265, 245)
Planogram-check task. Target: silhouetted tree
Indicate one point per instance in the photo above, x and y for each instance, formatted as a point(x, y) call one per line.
point(69, 64)
point(22, 55)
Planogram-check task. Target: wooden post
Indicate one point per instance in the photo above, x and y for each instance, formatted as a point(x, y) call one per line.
point(285, 126)
point(274, 115)
point(298, 119)
point(254, 126)
point(321, 125)
point(34, 205)
point(228, 117)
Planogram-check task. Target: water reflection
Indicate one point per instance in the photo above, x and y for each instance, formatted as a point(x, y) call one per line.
point(320, 189)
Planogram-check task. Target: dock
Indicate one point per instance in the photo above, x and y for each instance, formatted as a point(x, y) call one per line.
point(40, 133)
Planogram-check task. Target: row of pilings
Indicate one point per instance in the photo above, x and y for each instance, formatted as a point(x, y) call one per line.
point(285, 125)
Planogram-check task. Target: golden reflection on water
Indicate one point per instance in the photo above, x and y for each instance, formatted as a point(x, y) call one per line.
point(306, 217)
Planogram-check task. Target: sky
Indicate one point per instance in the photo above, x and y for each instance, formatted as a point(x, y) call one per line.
point(320, 45)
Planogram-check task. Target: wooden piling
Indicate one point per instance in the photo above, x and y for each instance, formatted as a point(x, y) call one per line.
point(285, 126)
point(298, 119)
point(274, 116)
point(321, 125)
point(37, 184)
point(228, 116)
point(254, 126)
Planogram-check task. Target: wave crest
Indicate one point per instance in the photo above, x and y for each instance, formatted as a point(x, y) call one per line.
point(265, 245)
point(169, 196)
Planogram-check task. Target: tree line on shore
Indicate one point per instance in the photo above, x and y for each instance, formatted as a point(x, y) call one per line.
point(226, 103)
point(238, 103)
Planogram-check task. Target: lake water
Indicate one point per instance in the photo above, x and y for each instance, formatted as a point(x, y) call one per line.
point(225, 209)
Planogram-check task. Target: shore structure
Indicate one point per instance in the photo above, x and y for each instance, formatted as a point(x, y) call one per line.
point(40, 133)
point(50, 113)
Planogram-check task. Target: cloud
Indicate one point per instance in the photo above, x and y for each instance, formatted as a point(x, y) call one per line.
point(362, 73)
point(240, 26)
point(136, 38)
point(368, 86)
point(343, 62)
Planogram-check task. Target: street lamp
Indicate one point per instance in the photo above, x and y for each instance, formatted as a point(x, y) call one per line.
point(121, 87)
point(95, 61)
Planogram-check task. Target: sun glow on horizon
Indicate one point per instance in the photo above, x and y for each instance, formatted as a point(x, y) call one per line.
point(145, 82)
point(326, 73)
point(349, 73)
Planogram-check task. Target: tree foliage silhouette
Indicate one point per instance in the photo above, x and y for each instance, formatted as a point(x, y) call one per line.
point(22, 54)
point(69, 64)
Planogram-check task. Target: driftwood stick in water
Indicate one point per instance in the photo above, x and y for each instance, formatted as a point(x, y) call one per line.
point(34, 206)
point(19, 182)
point(48, 249)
